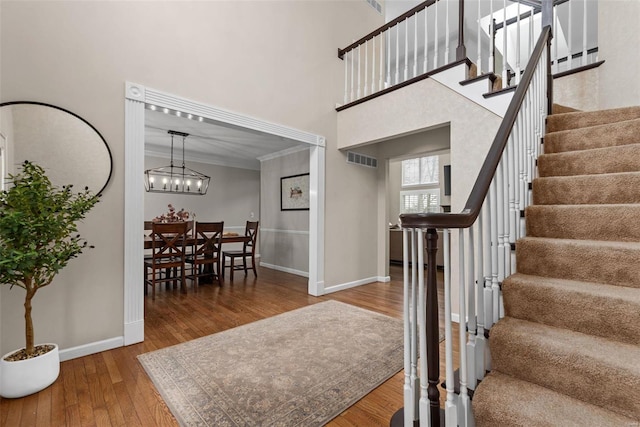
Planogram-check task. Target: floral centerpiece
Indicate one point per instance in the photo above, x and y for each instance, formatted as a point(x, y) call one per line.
point(172, 215)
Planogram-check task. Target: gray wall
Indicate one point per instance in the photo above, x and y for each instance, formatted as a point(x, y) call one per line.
point(272, 60)
point(284, 235)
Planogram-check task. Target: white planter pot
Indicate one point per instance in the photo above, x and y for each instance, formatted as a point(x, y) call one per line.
point(25, 377)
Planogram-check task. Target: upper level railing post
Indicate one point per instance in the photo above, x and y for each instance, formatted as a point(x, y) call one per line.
point(461, 50)
point(547, 21)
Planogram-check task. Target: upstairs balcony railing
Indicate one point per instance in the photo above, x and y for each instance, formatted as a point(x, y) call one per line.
point(497, 36)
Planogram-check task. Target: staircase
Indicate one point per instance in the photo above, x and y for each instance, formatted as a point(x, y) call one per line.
point(567, 351)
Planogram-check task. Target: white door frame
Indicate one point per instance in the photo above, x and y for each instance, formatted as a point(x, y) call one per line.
point(136, 97)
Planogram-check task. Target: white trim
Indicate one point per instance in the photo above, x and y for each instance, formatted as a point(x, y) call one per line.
point(136, 96)
point(455, 317)
point(384, 279)
point(285, 269)
point(353, 284)
point(283, 153)
point(91, 348)
point(279, 230)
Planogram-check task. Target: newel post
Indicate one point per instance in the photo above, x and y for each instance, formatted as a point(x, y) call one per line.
point(461, 50)
point(433, 328)
point(547, 20)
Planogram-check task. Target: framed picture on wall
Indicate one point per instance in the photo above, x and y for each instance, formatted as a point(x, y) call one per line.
point(294, 192)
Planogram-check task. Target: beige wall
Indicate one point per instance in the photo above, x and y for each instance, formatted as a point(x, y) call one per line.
point(619, 46)
point(578, 90)
point(273, 60)
point(284, 235)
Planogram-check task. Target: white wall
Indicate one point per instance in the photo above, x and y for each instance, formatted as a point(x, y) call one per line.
point(273, 60)
point(618, 41)
point(284, 235)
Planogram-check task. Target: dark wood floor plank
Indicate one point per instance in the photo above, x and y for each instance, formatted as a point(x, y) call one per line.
point(112, 388)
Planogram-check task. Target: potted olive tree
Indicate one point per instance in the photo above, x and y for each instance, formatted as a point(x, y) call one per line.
point(38, 237)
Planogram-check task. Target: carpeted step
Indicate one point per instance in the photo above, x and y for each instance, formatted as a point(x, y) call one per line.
point(502, 400)
point(588, 368)
point(591, 222)
point(587, 189)
point(607, 311)
point(623, 158)
point(607, 135)
point(557, 122)
point(614, 263)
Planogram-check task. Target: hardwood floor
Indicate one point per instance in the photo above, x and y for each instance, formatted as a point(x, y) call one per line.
point(112, 389)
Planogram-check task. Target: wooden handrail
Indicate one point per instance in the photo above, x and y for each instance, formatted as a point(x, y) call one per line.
point(386, 26)
point(468, 216)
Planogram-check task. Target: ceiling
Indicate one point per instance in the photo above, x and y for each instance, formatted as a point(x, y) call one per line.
point(211, 142)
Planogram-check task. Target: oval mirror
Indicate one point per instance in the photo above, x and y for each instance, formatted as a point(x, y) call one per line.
point(69, 148)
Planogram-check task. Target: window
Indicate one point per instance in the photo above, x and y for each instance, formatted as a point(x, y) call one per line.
point(420, 185)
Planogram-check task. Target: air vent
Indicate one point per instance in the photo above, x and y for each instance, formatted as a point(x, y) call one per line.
point(361, 159)
point(377, 6)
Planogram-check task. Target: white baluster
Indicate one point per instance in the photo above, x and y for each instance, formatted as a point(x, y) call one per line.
point(518, 46)
point(351, 53)
point(426, 39)
point(492, 41)
point(495, 286)
point(381, 79)
point(505, 209)
point(366, 68)
point(451, 403)
point(415, 45)
point(500, 216)
point(345, 57)
point(505, 33)
point(584, 34)
point(465, 418)
point(446, 33)
point(359, 74)
point(480, 339)
point(373, 65)
point(388, 82)
point(423, 407)
point(556, 63)
point(435, 37)
point(408, 384)
point(397, 53)
point(406, 49)
point(479, 32)
point(471, 313)
point(569, 35)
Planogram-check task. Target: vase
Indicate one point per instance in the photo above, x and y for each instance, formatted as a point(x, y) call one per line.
point(24, 377)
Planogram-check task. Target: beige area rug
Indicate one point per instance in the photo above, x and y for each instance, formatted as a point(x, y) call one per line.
point(300, 368)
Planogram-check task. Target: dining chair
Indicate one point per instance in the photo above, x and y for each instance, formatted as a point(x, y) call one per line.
point(206, 252)
point(167, 254)
point(248, 251)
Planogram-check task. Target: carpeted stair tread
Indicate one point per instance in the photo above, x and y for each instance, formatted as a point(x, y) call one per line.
point(623, 158)
point(606, 135)
point(502, 400)
point(614, 263)
point(593, 222)
point(575, 120)
point(589, 368)
point(614, 188)
point(603, 310)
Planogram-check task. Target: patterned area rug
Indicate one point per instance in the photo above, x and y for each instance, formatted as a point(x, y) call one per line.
point(300, 368)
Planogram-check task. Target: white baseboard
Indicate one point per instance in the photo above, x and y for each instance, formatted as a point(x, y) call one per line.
point(384, 279)
point(343, 286)
point(285, 269)
point(91, 348)
point(133, 332)
point(455, 317)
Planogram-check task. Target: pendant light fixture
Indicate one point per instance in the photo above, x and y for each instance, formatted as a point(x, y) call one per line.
point(176, 179)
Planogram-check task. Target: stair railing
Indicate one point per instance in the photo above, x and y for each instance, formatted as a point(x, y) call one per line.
point(412, 45)
point(484, 234)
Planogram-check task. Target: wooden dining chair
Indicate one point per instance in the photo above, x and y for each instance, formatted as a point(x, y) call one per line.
point(205, 256)
point(248, 251)
point(167, 254)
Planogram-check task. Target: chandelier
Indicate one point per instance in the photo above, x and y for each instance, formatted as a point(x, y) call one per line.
point(176, 179)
